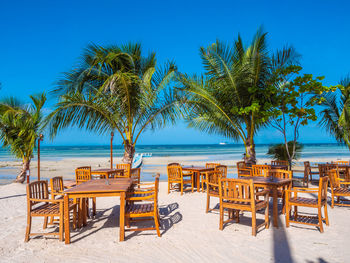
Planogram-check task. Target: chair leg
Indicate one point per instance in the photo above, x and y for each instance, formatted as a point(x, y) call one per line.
point(221, 224)
point(267, 216)
point(75, 217)
point(332, 201)
point(61, 224)
point(320, 219)
point(326, 214)
point(29, 225)
point(295, 213)
point(45, 222)
point(168, 187)
point(208, 202)
point(94, 206)
point(182, 188)
point(156, 222)
point(237, 216)
point(287, 214)
point(52, 219)
point(254, 223)
point(192, 185)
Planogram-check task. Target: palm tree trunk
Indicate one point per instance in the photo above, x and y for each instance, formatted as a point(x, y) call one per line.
point(22, 175)
point(250, 152)
point(129, 151)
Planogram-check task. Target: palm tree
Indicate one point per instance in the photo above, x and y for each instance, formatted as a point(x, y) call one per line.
point(116, 88)
point(233, 97)
point(279, 151)
point(20, 126)
point(336, 112)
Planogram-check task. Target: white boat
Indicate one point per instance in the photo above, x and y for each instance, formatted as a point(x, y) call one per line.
point(137, 162)
point(223, 143)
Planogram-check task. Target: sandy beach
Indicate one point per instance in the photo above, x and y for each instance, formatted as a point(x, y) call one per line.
point(188, 235)
point(65, 167)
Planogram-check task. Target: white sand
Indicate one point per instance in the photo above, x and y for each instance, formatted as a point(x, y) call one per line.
point(188, 235)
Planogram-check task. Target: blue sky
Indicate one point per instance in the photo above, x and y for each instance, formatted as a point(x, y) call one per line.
point(41, 39)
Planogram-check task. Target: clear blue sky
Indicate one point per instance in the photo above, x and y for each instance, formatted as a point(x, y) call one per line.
point(41, 39)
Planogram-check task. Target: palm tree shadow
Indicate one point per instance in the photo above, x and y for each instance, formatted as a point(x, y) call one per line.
point(281, 248)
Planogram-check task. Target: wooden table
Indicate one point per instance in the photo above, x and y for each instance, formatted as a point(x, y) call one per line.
point(96, 188)
point(107, 173)
point(273, 185)
point(279, 166)
point(197, 170)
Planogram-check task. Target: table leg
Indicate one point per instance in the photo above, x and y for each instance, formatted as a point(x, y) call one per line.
point(122, 216)
point(275, 206)
point(198, 181)
point(84, 211)
point(66, 219)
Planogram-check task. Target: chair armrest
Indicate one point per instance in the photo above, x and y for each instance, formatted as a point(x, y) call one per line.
point(263, 192)
point(46, 200)
point(187, 174)
point(300, 190)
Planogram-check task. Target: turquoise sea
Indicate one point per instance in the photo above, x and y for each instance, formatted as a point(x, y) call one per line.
point(226, 152)
point(229, 151)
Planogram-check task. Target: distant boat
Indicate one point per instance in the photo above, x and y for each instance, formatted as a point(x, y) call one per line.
point(223, 143)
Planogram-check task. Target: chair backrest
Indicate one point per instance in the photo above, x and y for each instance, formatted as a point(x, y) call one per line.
point(333, 175)
point(279, 162)
point(126, 167)
point(174, 172)
point(37, 190)
point(341, 162)
point(172, 164)
point(322, 189)
point(307, 168)
point(281, 173)
point(82, 174)
point(260, 170)
point(236, 190)
point(324, 168)
point(241, 164)
point(56, 185)
point(211, 165)
point(213, 178)
point(135, 175)
point(222, 169)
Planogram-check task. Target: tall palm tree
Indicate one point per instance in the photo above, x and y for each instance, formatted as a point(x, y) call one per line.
point(233, 97)
point(20, 126)
point(335, 116)
point(116, 88)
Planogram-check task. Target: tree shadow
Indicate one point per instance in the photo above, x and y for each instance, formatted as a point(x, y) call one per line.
point(12, 196)
point(281, 248)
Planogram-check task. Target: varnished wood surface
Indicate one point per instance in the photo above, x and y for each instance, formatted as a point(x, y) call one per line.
point(268, 181)
point(93, 186)
point(197, 170)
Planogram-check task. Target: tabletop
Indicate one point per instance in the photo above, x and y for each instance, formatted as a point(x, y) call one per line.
point(267, 180)
point(114, 185)
point(106, 170)
point(196, 168)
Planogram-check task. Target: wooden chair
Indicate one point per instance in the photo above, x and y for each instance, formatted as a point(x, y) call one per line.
point(213, 185)
point(339, 188)
point(176, 176)
point(143, 203)
point(82, 175)
point(240, 195)
point(126, 167)
point(203, 176)
point(135, 175)
point(57, 188)
point(300, 201)
point(243, 170)
point(279, 162)
point(260, 170)
point(40, 205)
point(324, 168)
point(308, 173)
point(281, 174)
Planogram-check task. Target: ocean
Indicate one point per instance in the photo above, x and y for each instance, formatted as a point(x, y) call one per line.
point(222, 152)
